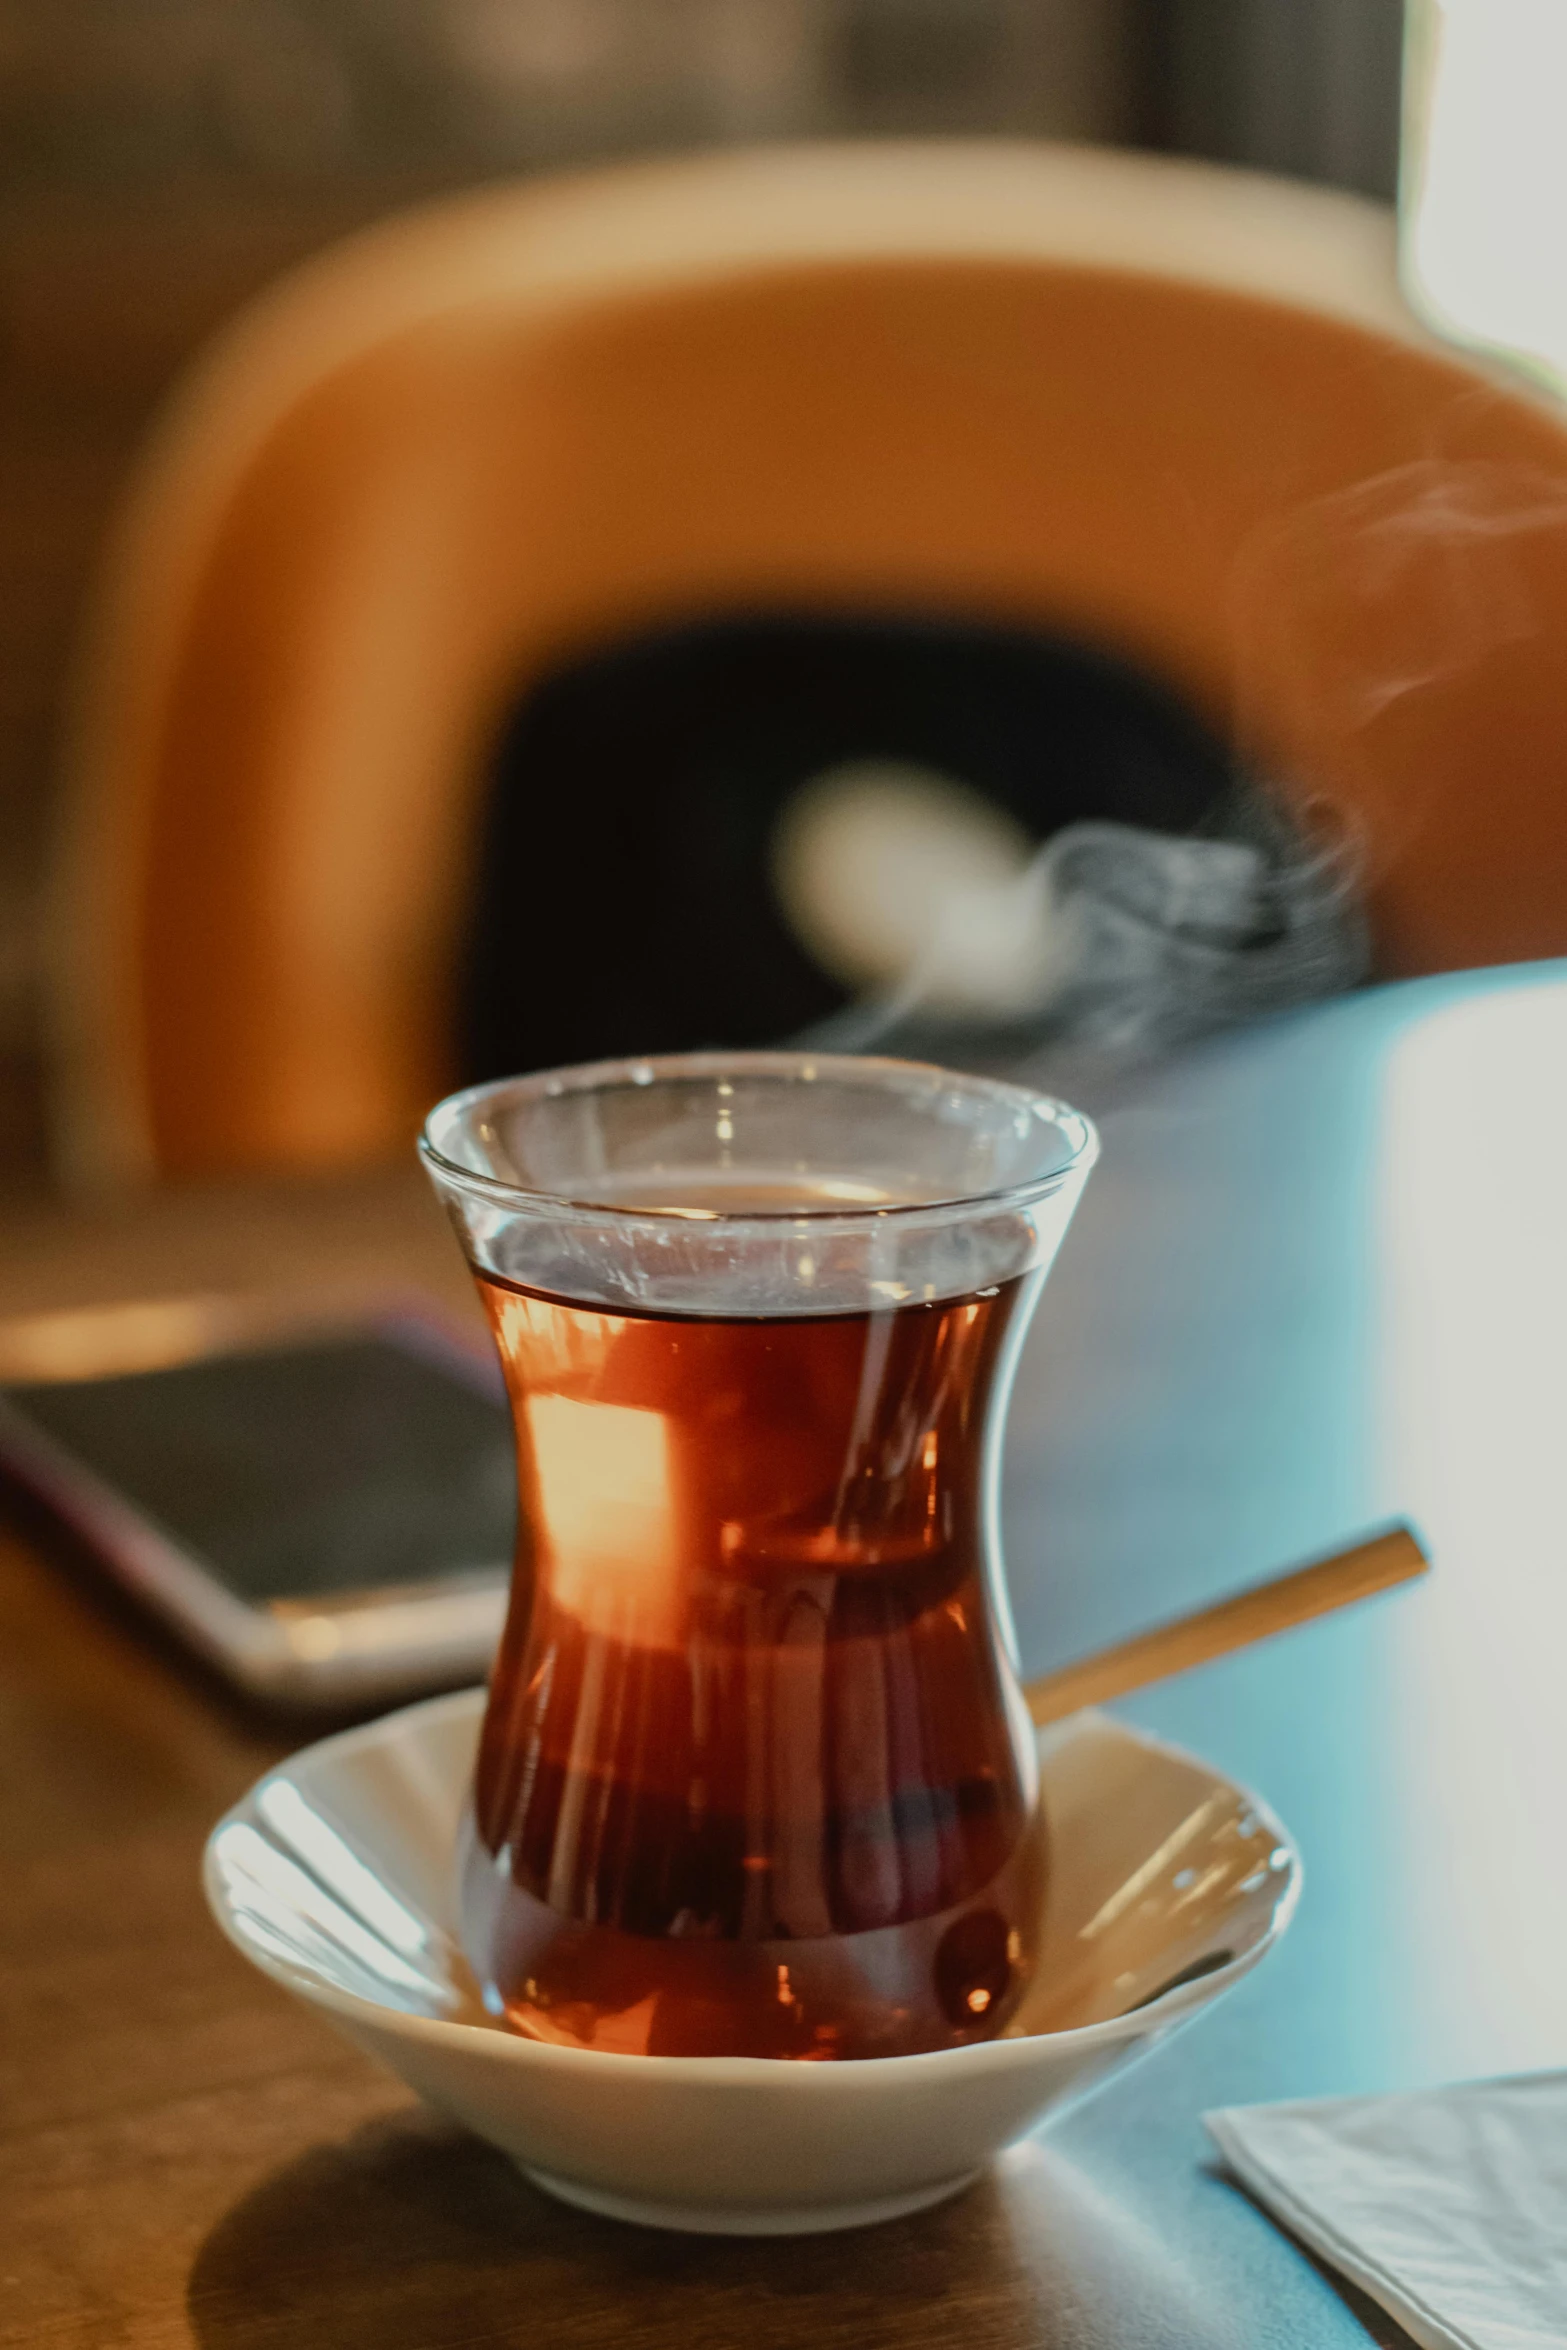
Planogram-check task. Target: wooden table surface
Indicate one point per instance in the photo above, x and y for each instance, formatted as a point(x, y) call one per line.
point(1320, 1277)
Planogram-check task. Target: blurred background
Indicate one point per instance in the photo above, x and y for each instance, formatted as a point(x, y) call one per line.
point(160, 160)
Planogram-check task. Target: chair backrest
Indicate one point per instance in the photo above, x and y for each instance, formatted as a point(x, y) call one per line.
point(1053, 387)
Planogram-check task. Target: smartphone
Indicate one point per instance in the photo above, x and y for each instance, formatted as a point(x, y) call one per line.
point(325, 1511)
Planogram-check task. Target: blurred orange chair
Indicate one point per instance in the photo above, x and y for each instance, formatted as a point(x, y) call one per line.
point(1054, 387)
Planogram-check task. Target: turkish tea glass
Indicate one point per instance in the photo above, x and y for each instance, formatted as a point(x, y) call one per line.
point(756, 1777)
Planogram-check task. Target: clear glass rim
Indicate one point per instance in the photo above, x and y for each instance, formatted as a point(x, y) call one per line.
point(1076, 1131)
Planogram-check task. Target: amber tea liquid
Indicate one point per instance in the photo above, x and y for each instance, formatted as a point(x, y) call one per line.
point(754, 1778)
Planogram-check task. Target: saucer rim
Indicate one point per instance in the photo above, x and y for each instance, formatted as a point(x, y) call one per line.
point(1160, 2015)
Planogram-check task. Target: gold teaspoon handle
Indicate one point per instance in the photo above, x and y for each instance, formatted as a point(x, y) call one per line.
point(1377, 1564)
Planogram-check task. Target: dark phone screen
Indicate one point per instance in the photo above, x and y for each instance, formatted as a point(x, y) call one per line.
point(339, 1465)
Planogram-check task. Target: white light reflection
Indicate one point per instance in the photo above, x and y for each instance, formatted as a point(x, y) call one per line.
point(299, 1825)
point(274, 1891)
point(1473, 1247)
point(1153, 1867)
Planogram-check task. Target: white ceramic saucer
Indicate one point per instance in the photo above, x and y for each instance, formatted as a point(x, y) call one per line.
point(335, 1875)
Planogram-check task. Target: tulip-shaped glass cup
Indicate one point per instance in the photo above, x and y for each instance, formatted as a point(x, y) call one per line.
point(755, 1777)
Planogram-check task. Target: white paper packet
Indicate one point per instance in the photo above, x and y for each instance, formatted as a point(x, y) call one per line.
point(1447, 2206)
